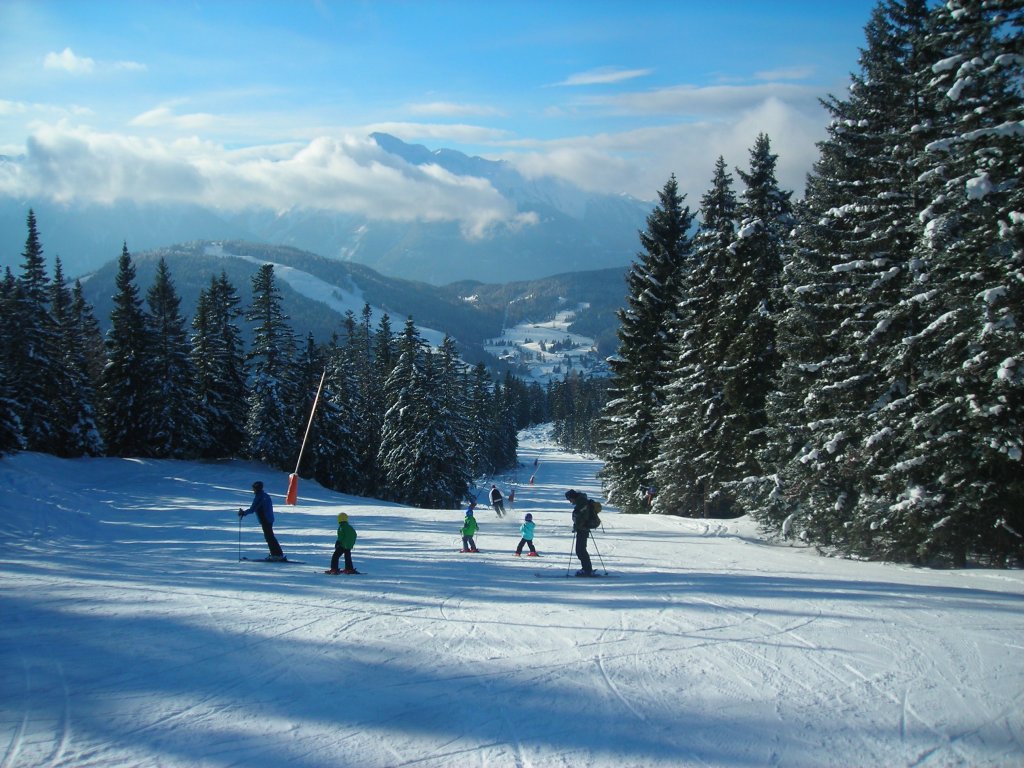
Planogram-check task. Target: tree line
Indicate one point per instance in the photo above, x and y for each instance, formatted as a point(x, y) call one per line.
point(848, 368)
point(396, 419)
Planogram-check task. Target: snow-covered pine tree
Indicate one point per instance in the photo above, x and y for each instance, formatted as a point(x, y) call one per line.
point(174, 425)
point(337, 439)
point(749, 311)
point(844, 268)
point(958, 488)
point(639, 367)
point(689, 469)
point(377, 359)
point(405, 392)
point(445, 458)
point(127, 378)
point(90, 334)
point(310, 367)
point(11, 438)
point(270, 422)
point(218, 356)
point(34, 369)
point(74, 391)
point(504, 440)
point(480, 416)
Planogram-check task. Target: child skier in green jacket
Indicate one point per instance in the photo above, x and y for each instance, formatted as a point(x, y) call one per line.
point(343, 546)
point(469, 528)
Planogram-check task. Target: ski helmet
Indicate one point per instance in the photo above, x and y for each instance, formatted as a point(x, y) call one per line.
point(469, 512)
point(342, 517)
point(258, 485)
point(529, 516)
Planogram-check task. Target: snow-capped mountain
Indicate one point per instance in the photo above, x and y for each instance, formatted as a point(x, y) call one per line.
point(539, 329)
point(564, 229)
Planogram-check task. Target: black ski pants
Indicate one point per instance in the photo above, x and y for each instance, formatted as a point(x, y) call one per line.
point(268, 534)
point(581, 551)
point(338, 552)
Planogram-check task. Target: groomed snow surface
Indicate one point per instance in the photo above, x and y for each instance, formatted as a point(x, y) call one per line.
point(132, 635)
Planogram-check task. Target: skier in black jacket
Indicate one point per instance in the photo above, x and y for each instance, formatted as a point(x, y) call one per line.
point(581, 527)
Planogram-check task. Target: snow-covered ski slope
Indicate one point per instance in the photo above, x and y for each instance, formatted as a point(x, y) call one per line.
point(131, 635)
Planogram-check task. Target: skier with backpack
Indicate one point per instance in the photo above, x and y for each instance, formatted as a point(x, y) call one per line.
point(584, 518)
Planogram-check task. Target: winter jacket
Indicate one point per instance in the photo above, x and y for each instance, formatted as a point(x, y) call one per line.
point(263, 507)
point(527, 530)
point(346, 535)
point(469, 526)
point(581, 513)
point(495, 496)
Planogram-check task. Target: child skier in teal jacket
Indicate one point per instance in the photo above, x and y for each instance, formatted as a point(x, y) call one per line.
point(343, 546)
point(526, 529)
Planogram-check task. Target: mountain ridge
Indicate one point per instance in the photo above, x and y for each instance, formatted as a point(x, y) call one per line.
point(572, 230)
point(316, 292)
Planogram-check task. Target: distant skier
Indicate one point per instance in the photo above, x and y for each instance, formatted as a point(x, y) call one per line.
point(497, 501)
point(343, 546)
point(526, 529)
point(264, 509)
point(469, 529)
point(581, 527)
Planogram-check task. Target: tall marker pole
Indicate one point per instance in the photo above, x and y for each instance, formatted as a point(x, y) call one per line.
point(293, 479)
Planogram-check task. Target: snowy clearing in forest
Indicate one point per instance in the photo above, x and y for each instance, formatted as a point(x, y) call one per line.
point(132, 635)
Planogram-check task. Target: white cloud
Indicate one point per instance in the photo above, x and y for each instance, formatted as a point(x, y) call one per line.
point(700, 101)
point(451, 109)
point(604, 76)
point(163, 117)
point(639, 161)
point(69, 62)
point(346, 175)
point(130, 66)
point(792, 73)
point(456, 132)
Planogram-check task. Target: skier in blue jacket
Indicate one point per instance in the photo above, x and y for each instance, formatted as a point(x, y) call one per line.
point(264, 509)
point(526, 529)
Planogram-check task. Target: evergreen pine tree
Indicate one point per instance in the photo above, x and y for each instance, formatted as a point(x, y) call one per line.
point(406, 394)
point(270, 422)
point(958, 488)
point(480, 418)
point(174, 426)
point(338, 439)
point(848, 259)
point(218, 357)
point(90, 334)
point(127, 379)
point(11, 438)
point(750, 361)
point(693, 461)
point(34, 369)
point(77, 433)
point(639, 369)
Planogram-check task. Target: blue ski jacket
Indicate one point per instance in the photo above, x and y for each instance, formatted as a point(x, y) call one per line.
point(263, 507)
point(527, 530)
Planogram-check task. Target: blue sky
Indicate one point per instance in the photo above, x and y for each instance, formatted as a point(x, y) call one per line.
point(270, 103)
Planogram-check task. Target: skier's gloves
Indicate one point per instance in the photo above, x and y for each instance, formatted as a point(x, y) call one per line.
point(241, 512)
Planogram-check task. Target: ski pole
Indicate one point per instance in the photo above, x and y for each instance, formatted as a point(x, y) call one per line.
point(572, 549)
point(593, 538)
point(239, 538)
